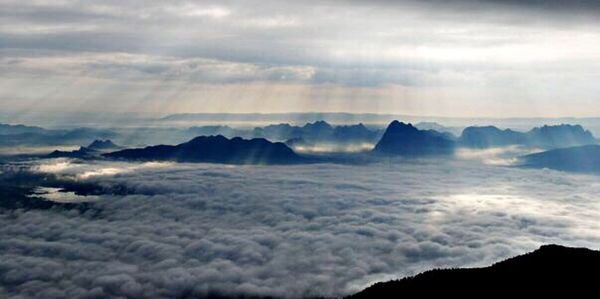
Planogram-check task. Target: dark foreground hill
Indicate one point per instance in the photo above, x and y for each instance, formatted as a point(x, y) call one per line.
point(549, 271)
point(215, 149)
point(406, 140)
point(585, 159)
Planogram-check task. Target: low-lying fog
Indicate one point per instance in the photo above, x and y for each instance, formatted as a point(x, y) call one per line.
point(304, 230)
point(326, 148)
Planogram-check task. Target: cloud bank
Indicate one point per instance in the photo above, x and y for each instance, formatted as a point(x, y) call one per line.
point(311, 230)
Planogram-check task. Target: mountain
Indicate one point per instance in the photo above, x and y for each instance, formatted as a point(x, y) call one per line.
point(217, 149)
point(20, 135)
point(355, 133)
point(99, 145)
point(318, 132)
point(560, 136)
point(584, 159)
point(490, 136)
point(428, 125)
point(547, 271)
point(94, 150)
point(278, 132)
point(404, 139)
point(226, 131)
point(6, 129)
point(545, 137)
point(81, 153)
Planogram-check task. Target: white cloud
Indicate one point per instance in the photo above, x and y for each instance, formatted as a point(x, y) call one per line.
point(66, 167)
point(192, 10)
point(289, 231)
point(501, 156)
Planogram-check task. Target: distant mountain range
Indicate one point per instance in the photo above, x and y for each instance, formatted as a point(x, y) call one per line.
point(20, 135)
point(94, 150)
point(216, 149)
point(319, 132)
point(100, 145)
point(543, 137)
point(550, 271)
point(372, 118)
point(406, 140)
point(585, 159)
point(6, 129)
point(453, 131)
point(403, 139)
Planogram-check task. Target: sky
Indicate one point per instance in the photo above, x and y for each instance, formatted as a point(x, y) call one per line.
point(459, 58)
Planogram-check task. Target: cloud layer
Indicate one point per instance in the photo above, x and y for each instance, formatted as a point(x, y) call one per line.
point(286, 231)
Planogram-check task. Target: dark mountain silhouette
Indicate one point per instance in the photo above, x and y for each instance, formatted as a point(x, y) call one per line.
point(560, 136)
point(87, 133)
point(445, 135)
point(315, 133)
point(318, 126)
point(318, 132)
point(584, 159)
point(20, 135)
point(6, 129)
point(354, 133)
point(549, 271)
point(544, 137)
point(99, 145)
point(94, 150)
point(425, 125)
point(226, 131)
point(490, 136)
point(81, 153)
point(217, 149)
point(405, 140)
point(278, 132)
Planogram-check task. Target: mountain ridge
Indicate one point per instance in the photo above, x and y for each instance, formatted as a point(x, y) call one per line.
point(549, 270)
point(546, 136)
point(406, 140)
point(217, 149)
point(583, 159)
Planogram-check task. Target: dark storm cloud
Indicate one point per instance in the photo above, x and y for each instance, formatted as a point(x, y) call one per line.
point(320, 230)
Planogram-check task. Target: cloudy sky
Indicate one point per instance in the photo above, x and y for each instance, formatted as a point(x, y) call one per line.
point(432, 57)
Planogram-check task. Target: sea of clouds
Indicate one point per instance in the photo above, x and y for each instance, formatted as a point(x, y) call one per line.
point(286, 231)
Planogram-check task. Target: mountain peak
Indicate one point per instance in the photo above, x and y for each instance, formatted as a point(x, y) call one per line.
point(395, 125)
point(217, 149)
point(318, 125)
point(100, 144)
point(404, 139)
